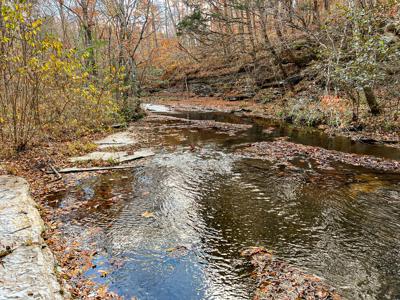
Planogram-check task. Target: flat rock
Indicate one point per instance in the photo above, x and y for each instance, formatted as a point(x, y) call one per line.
point(117, 157)
point(99, 156)
point(136, 155)
point(119, 139)
point(28, 267)
point(158, 108)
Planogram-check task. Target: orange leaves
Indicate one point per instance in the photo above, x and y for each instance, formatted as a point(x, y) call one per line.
point(334, 102)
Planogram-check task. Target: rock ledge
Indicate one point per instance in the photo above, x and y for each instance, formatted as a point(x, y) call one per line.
point(27, 266)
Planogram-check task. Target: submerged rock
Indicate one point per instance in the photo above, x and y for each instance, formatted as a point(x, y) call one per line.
point(277, 280)
point(283, 151)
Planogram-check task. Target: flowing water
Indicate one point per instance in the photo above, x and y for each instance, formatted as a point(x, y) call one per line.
point(173, 227)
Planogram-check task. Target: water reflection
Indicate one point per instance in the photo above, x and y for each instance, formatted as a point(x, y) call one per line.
point(302, 135)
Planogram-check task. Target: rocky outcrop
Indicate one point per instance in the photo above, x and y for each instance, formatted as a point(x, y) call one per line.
point(27, 266)
point(241, 80)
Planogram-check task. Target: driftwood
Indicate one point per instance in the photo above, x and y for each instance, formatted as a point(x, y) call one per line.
point(92, 169)
point(58, 175)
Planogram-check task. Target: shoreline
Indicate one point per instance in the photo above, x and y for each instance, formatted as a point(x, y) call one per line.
point(251, 108)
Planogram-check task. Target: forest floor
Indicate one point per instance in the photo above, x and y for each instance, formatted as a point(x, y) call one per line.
point(253, 108)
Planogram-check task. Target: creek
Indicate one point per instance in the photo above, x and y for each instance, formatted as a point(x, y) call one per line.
point(173, 227)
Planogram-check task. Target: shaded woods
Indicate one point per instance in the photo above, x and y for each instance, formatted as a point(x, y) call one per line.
point(315, 62)
point(73, 67)
point(67, 68)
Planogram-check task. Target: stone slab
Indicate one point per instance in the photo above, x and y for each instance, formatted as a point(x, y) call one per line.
point(28, 270)
point(99, 156)
point(157, 108)
point(119, 139)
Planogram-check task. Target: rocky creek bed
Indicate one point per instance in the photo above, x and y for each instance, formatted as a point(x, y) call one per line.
point(175, 223)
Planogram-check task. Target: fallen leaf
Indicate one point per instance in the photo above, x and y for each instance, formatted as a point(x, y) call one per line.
point(103, 273)
point(148, 214)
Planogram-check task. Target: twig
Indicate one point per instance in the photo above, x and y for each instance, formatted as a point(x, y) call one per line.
point(58, 175)
point(26, 227)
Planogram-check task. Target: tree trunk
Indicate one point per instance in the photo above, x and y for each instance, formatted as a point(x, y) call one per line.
point(317, 17)
point(87, 27)
point(153, 24)
point(327, 5)
point(279, 34)
point(240, 16)
point(63, 24)
point(251, 35)
point(225, 28)
point(371, 100)
point(269, 47)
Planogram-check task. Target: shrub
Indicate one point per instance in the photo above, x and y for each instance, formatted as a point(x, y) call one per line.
point(45, 90)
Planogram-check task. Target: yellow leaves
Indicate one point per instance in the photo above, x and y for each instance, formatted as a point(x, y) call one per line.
point(33, 62)
point(37, 23)
point(11, 26)
point(57, 46)
point(85, 55)
point(45, 67)
point(92, 88)
point(67, 100)
point(85, 75)
point(15, 59)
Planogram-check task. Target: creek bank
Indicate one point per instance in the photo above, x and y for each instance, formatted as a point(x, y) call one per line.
point(253, 108)
point(297, 89)
point(34, 165)
point(27, 266)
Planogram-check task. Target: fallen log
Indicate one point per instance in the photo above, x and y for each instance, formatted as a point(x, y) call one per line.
point(118, 157)
point(92, 169)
